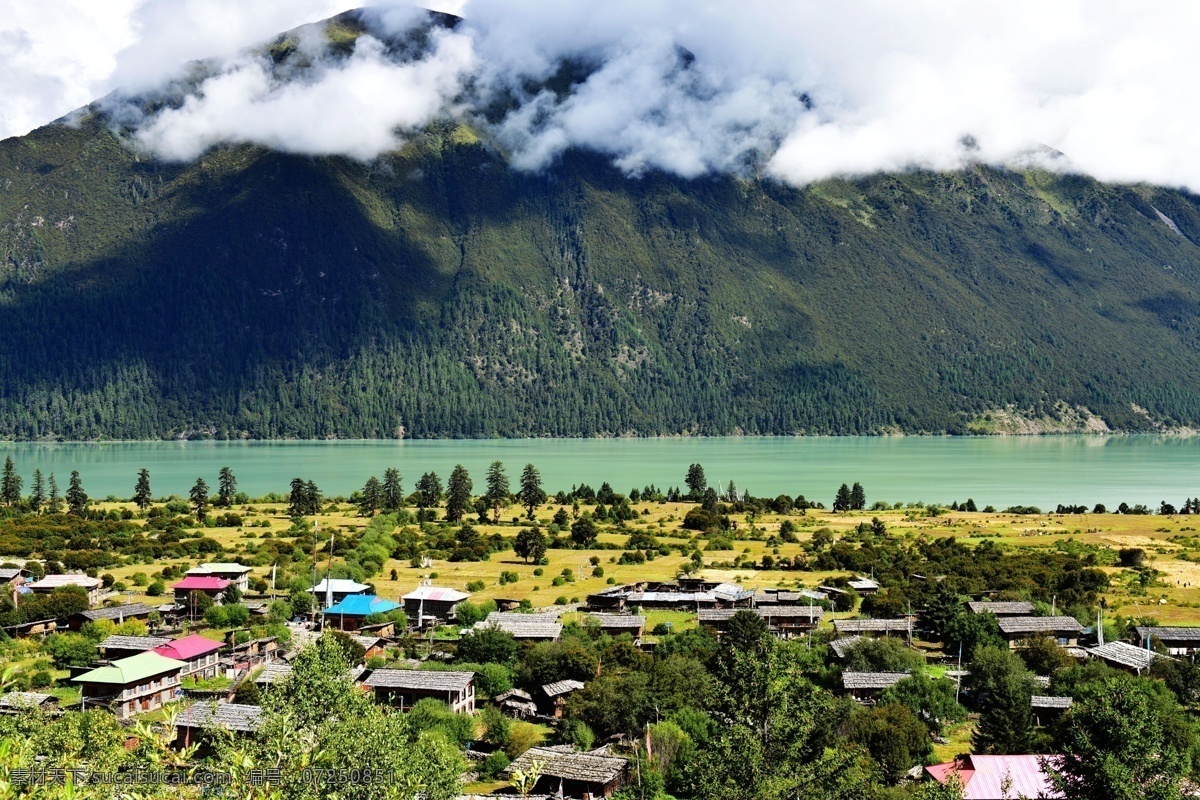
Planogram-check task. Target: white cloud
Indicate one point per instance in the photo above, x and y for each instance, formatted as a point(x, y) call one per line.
point(807, 89)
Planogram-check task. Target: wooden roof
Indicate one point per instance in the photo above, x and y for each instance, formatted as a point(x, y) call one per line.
point(572, 766)
point(127, 611)
point(228, 716)
point(872, 680)
point(872, 625)
point(1169, 634)
point(25, 699)
point(618, 620)
point(1059, 624)
point(1124, 654)
point(140, 643)
point(419, 680)
point(1014, 608)
point(561, 687)
point(842, 646)
point(1042, 701)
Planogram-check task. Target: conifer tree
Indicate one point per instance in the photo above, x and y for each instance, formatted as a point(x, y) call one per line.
point(391, 493)
point(54, 502)
point(858, 497)
point(429, 490)
point(372, 495)
point(458, 494)
point(497, 489)
point(200, 500)
point(531, 493)
point(226, 487)
point(842, 501)
point(10, 483)
point(297, 499)
point(696, 482)
point(37, 497)
point(77, 499)
point(142, 496)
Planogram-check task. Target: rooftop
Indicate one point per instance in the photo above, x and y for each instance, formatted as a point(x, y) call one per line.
point(1169, 634)
point(770, 612)
point(572, 766)
point(51, 582)
point(8, 573)
point(117, 612)
point(227, 716)
point(340, 586)
point(842, 646)
point(1042, 701)
point(1059, 624)
point(273, 673)
point(131, 670)
point(523, 626)
point(188, 647)
point(142, 643)
point(436, 593)
point(872, 625)
point(861, 583)
point(222, 567)
point(561, 687)
point(362, 605)
point(1124, 654)
point(990, 777)
point(872, 680)
point(201, 583)
point(419, 680)
point(618, 620)
point(1015, 608)
point(24, 699)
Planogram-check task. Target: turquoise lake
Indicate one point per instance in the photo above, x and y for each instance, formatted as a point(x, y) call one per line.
point(1001, 471)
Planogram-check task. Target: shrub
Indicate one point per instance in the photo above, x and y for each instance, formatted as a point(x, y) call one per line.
point(476, 586)
point(539, 572)
point(561, 600)
point(40, 679)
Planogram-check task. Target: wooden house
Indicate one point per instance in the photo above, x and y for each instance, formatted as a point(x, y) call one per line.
point(132, 685)
point(531, 627)
point(782, 621)
point(864, 686)
point(1047, 710)
point(554, 697)
point(117, 614)
point(617, 624)
point(349, 614)
point(198, 653)
point(1017, 631)
point(1124, 656)
point(247, 655)
point(22, 702)
point(566, 773)
point(874, 627)
point(192, 723)
point(237, 574)
point(371, 645)
point(428, 604)
point(402, 688)
point(516, 703)
point(864, 586)
point(37, 627)
point(93, 586)
point(1001, 608)
point(114, 648)
point(1178, 641)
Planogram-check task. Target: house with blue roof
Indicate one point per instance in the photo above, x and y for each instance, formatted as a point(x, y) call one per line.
point(348, 615)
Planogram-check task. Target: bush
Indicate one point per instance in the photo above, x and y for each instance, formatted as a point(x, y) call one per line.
point(561, 600)
point(494, 765)
point(40, 679)
point(476, 586)
point(217, 617)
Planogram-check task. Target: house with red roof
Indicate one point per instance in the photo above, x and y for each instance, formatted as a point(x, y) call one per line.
point(198, 653)
point(212, 586)
point(428, 603)
point(996, 777)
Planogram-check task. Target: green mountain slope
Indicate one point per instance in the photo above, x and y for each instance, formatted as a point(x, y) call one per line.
point(439, 293)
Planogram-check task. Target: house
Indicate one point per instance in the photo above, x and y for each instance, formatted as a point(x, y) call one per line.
point(864, 686)
point(20, 702)
point(863, 586)
point(1178, 641)
point(516, 703)
point(586, 775)
point(198, 653)
point(783, 621)
point(556, 694)
point(336, 590)
point(1125, 656)
point(12, 579)
point(617, 624)
point(192, 722)
point(1048, 709)
point(1018, 630)
point(349, 614)
point(1016, 608)
point(543, 627)
point(92, 586)
point(205, 584)
point(611, 600)
point(996, 777)
point(37, 627)
point(131, 685)
point(118, 614)
point(272, 673)
point(237, 574)
point(873, 627)
point(250, 654)
point(404, 687)
point(371, 645)
point(841, 647)
point(426, 604)
point(118, 647)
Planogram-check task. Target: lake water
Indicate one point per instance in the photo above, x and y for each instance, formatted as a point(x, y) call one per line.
point(1001, 471)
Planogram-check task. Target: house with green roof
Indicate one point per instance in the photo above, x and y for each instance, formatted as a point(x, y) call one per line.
point(133, 685)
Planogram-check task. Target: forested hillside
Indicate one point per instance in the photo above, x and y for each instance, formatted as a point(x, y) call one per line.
point(439, 293)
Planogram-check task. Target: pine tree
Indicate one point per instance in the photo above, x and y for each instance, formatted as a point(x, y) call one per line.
point(696, 482)
point(312, 498)
point(200, 500)
point(37, 498)
point(54, 502)
point(226, 487)
point(842, 501)
point(497, 489)
point(77, 499)
point(531, 494)
point(142, 496)
point(429, 490)
point(372, 495)
point(297, 502)
point(392, 493)
point(858, 497)
point(458, 494)
point(10, 483)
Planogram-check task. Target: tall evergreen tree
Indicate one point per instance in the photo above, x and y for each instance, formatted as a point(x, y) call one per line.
point(226, 487)
point(142, 496)
point(696, 482)
point(429, 490)
point(531, 493)
point(392, 492)
point(842, 501)
point(37, 496)
point(458, 493)
point(297, 499)
point(54, 501)
point(200, 499)
point(10, 483)
point(77, 499)
point(312, 498)
point(497, 489)
point(1006, 722)
point(372, 495)
point(858, 497)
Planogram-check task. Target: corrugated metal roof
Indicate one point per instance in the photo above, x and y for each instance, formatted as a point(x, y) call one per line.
point(993, 777)
point(51, 582)
point(134, 669)
point(362, 605)
point(436, 593)
point(188, 647)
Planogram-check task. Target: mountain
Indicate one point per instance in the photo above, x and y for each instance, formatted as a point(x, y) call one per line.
point(437, 292)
